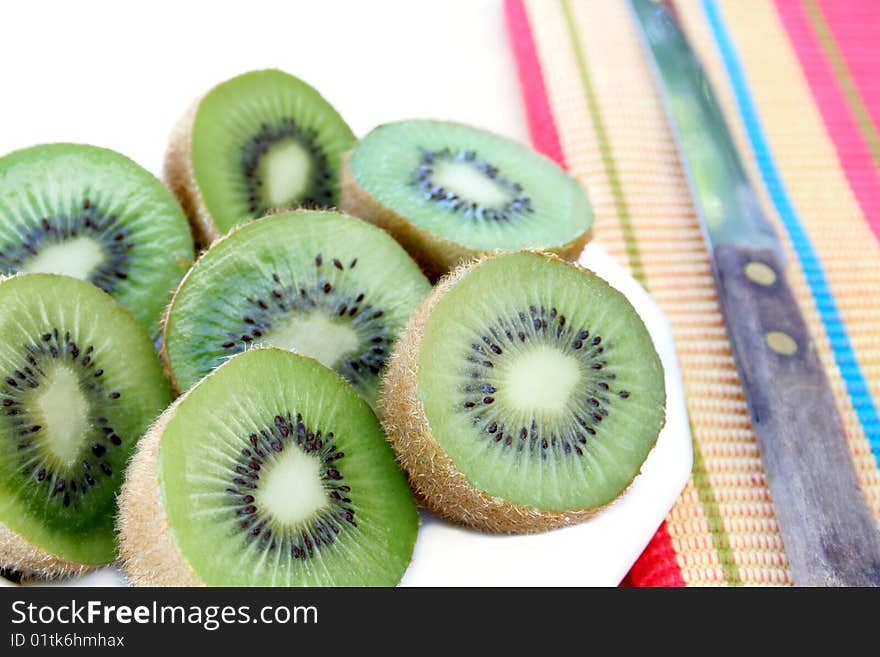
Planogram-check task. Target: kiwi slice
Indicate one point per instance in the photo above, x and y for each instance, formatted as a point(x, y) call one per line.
point(261, 141)
point(321, 283)
point(449, 192)
point(524, 393)
point(271, 471)
point(79, 384)
point(93, 214)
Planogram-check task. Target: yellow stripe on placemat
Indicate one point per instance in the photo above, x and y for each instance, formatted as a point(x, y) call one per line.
point(817, 186)
point(722, 528)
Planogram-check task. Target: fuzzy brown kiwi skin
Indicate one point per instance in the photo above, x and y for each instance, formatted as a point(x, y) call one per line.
point(148, 552)
point(34, 562)
point(164, 359)
point(436, 482)
point(436, 256)
point(180, 177)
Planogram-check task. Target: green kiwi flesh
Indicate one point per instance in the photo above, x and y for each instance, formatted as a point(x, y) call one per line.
point(468, 188)
point(537, 380)
point(271, 471)
point(321, 283)
point(93, 214)
point(79, 385)
point(262, 141)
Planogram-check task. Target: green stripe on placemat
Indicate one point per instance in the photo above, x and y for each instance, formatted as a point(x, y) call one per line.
point(632, 252)
point(720, 539)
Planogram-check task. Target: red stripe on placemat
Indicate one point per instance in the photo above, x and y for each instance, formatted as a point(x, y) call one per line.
point(542, 127)
point(658, 565)
point(852, 150)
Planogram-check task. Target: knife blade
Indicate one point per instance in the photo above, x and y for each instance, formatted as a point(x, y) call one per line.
point(830, 536)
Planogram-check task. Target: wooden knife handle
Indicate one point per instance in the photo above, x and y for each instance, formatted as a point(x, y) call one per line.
point(830, 536)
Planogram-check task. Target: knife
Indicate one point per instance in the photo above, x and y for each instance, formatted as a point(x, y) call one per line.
point(830, 536)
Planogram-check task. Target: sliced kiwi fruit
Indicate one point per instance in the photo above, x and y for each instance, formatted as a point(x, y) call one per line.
point(262, 141)
point(449, 192)
point(93, 214)
point(321, 283)
point(79, 385)
point(271, 471)
point(524, 394)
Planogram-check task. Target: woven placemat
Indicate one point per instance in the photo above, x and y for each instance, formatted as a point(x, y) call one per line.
point(802, 99)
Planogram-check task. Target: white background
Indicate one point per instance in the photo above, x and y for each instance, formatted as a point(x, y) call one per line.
point(120, 74)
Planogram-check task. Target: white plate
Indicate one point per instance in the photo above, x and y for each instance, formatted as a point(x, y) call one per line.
point(598, 552)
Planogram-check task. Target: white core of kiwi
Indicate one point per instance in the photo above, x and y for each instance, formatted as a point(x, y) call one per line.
point(315, 335)
point(64, 412)
point(286, 171)
point(539, 381)
point(78, 257)
point(467, 182)
point(291, 491)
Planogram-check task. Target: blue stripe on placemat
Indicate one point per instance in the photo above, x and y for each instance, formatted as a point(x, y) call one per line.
point(835, 328)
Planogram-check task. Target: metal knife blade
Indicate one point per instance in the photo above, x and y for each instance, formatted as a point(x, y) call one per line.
point(830, 535)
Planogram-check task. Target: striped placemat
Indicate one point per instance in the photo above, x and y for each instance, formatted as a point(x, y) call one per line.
point(798, 81)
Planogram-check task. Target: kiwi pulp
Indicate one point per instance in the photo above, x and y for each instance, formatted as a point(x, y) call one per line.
point(449, 192)
point(79, 384)
point(93, 214)
point(271, 471)
point(262, 141)
point(321, 283)
point(524, 393)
